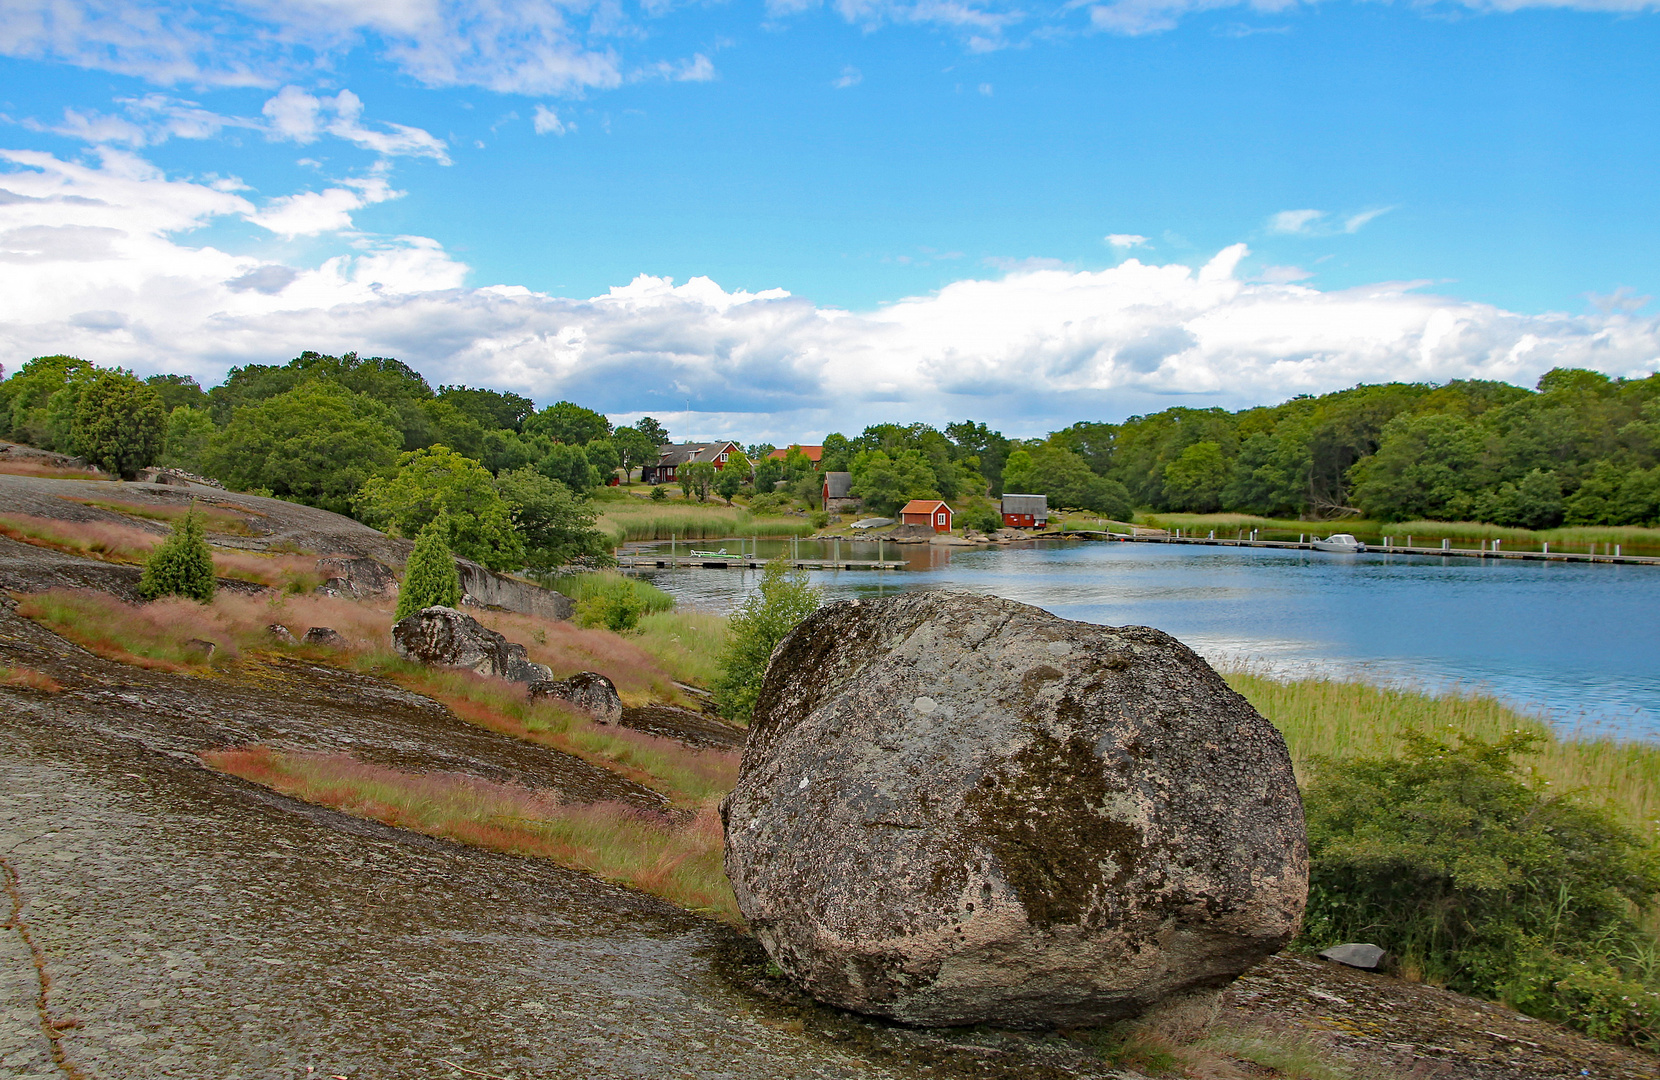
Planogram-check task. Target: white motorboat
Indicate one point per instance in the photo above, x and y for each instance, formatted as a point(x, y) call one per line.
point(721, 554)
point(1340, 543)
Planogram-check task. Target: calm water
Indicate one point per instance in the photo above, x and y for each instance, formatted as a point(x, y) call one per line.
point(1580, 643)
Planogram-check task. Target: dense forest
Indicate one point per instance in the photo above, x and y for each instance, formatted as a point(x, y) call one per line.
point(370, 437)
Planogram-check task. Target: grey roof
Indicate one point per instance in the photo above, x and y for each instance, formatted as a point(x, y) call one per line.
point(681, 453)
point(838, 485)
point(1026, 504)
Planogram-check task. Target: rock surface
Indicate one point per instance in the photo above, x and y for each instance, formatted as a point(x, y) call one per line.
point(357, 578)
point(445, 637)
point(957, 809)
point(588, 690)
point(1361, 955)
point(324, 635)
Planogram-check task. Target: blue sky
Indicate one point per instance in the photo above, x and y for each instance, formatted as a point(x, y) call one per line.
point(1030, 215)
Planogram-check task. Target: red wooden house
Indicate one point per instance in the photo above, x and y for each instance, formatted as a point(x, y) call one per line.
point(927, 512)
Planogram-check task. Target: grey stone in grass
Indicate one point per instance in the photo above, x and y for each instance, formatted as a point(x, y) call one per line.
point(955, 809)
point(1356, 955)
point(445, 637)
point(324, 635)
point(281, 634)
point(588, 690)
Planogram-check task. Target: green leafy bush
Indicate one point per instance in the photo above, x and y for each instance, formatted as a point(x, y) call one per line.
point(658, 494)
point(181, 565)
point(782, 600)
point(1482, 879)
point(437, 480)
point(429, 576)
point(615, 606)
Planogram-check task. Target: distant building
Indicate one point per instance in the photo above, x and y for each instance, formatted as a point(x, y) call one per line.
point(815, 454)
point(1025, 511)
point(838, 491)
point(927, 512)
point(670, 458)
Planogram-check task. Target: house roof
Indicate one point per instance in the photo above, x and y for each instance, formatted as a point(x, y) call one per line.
point(814, 453)
point(681, 453)
point(924, 506)
point(838, 485)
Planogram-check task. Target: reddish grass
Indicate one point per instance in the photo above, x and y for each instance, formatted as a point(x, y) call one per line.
point(691, 778)
point(49, 472)
point(156, 635)
point(108, 542)
point(214, 519)
point(680, 863)
point(568, 648)
point(30, 678)
point(90, 539)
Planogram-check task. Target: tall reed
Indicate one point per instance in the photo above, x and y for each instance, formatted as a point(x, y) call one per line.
point(643, 520)
point(1333, 719)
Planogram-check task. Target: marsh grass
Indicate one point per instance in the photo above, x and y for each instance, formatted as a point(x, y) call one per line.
point(1334, 719)
point(1423, 533)
point(214, 519)
point(679, 862)
point(643, 520)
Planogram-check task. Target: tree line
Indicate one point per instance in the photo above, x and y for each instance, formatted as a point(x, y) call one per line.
point(365, 436)
point(1580, 448)
point(370, 437)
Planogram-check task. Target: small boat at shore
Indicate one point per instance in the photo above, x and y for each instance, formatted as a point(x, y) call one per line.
point(1339, 543)
point(721, 554)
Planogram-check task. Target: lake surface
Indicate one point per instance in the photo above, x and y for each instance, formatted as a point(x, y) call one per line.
point(1578, 643)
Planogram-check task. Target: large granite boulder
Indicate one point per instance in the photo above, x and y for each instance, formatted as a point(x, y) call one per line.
point(956, 809)
point(587, 690)
point(445, 637)
point(357, 578)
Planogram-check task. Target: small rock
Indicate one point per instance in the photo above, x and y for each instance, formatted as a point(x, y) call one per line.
point(1361, 955)
point(586, 690)
point(324, 635)
point(202, 646)
point(446, 637)
point(281, 633)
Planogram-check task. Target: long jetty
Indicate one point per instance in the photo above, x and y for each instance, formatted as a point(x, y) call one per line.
point(748, 562)
point(1374, 549)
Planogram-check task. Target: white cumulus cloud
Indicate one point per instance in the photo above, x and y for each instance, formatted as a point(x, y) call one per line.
point(93, 261)
point(1125, 241)
point(546, 122)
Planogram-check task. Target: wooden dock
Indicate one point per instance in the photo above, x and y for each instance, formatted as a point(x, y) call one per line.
point(746, 562)
point(1371, 549)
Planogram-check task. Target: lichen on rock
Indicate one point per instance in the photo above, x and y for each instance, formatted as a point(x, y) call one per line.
point(957, 809)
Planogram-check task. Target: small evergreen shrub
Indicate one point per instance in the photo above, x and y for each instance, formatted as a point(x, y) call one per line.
point(181, 565)
point(658, 494)
point(429, 576)
point(783, 599)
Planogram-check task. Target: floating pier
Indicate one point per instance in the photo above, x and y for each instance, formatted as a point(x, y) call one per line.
point(747, 562)
point(1371, 549)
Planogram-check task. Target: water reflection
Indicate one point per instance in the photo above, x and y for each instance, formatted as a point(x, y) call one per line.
point(1576, 641)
